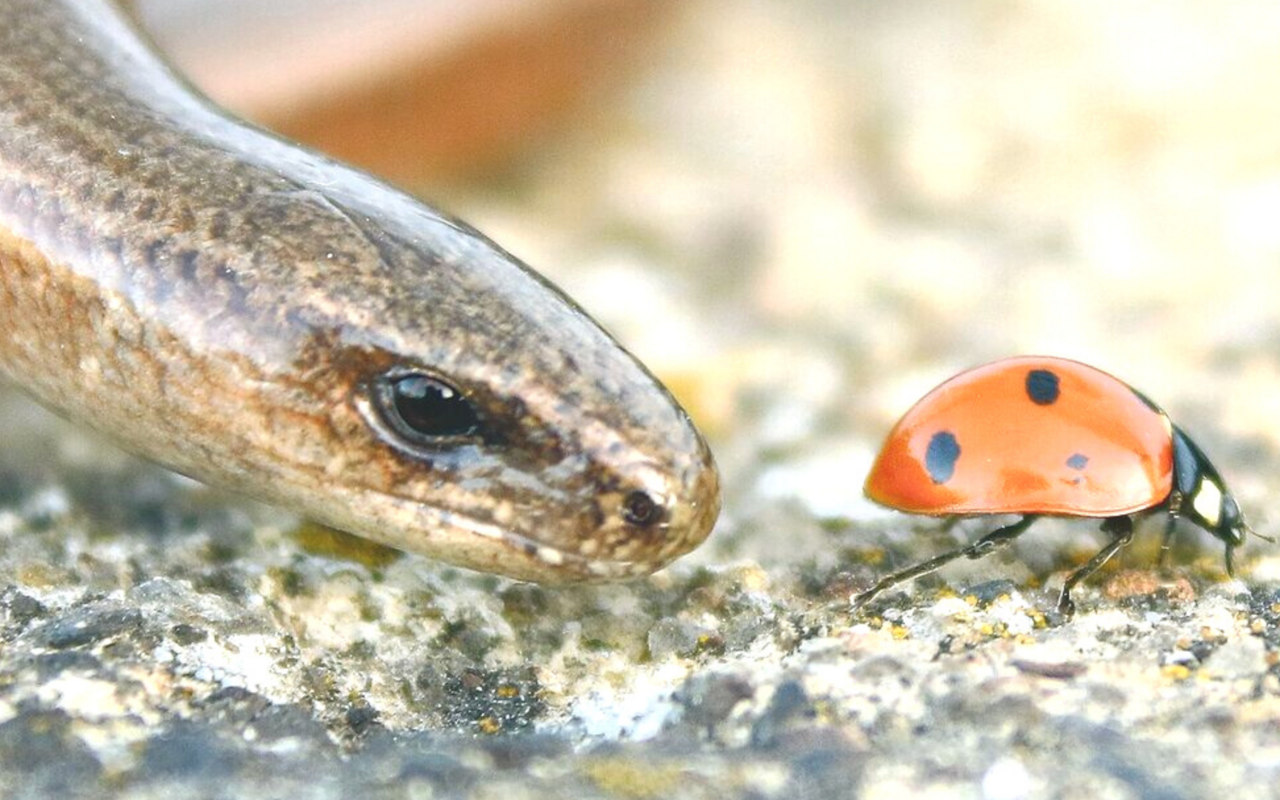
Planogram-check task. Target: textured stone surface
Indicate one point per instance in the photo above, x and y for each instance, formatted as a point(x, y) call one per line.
point(806, 216)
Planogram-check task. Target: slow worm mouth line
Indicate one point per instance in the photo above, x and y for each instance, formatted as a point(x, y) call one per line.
point(557, 558)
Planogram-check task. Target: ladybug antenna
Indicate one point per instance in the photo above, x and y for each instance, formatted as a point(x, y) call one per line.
point(1261, 536)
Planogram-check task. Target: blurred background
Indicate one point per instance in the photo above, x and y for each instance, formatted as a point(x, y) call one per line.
point(804, 215)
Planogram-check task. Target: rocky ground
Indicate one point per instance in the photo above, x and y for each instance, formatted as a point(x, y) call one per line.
point(803, 216)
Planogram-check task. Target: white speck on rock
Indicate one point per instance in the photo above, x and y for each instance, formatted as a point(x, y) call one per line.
point(637, 711)
point(81, 696)
point(245, 660)
point(1006, 779)
point(949, 607)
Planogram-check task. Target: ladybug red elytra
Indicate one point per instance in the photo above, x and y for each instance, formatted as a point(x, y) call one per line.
point(1038, 435)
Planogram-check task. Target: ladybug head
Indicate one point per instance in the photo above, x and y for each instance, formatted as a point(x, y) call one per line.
point(1230, 526)
point(1202, 496)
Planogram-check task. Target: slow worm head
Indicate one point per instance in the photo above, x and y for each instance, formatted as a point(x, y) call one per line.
point(261, 318)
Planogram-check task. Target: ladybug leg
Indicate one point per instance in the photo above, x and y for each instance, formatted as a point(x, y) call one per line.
point(1166, 543)
point(985, 546)
point(1121, 528)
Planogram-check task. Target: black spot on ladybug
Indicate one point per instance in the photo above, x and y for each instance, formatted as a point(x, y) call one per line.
point(940, 458)
point(1078, 461)
point(1042, 387)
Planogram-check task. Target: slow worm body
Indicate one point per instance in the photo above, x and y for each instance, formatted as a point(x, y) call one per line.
point(261, 318)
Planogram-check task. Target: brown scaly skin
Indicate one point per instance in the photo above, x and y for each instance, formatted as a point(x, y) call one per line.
point(221, 302)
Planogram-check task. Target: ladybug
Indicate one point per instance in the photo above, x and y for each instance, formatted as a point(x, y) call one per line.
point(1044, 436)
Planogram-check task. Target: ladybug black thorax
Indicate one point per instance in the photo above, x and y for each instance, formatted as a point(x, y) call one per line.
point(1200, 495)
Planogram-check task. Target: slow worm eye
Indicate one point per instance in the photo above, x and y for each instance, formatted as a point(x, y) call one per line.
point(424, 409)
point(642, 510)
